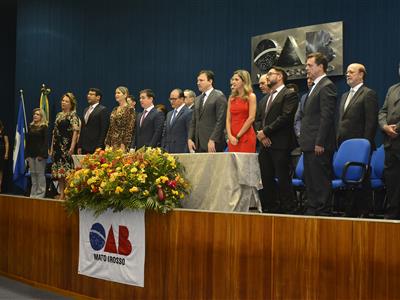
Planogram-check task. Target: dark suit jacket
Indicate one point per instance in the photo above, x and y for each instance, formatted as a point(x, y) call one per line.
point(93, 133)
point(209, 124)
point(176, 134)
point(360, 118)
point(278, 122)
point(149, 134)
point(389, 114)
point(257, 125)
point(317, 124)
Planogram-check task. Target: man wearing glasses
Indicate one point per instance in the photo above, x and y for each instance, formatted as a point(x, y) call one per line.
point(177, 125)
point(276, 137)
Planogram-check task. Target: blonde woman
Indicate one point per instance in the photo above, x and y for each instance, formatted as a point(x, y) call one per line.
point(65, 136)
point(36, 152)
point(241, 113)
point(122, 121)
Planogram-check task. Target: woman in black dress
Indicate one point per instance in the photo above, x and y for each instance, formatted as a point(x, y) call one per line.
point(36, 152)
point(4, 148)
point(65, 136)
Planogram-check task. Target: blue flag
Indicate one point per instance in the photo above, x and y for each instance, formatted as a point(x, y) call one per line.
point(19, 149)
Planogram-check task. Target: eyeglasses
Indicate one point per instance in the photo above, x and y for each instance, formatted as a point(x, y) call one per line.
point(173, 99)
point(272, 73)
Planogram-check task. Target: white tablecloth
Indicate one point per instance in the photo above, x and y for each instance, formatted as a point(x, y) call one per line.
point(220, 181)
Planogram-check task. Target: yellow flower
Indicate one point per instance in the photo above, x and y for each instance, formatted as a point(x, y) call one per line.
point(175, 192)
point(91, 180)
point(104, 166)
point(146, 193)
point(133, 189)
point(103, 184)
point(133, 170)
point(118, 189)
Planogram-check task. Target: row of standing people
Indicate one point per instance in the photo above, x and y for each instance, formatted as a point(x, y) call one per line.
point(274, 117)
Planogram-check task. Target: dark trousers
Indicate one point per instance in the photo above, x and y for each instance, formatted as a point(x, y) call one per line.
point(317, 178)
point(391, 174)
point(277, 196)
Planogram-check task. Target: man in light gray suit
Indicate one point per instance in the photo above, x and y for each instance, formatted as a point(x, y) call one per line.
point(389, 122)
point(206, 132)
point(177, 125)
point(317, 136)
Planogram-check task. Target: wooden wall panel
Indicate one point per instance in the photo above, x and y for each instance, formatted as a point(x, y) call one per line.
point(205, 255)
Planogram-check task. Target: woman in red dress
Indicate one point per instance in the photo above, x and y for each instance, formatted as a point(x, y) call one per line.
point(241, 113)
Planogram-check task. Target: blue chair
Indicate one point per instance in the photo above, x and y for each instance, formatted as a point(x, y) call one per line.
point(351, 164)
point(377, 165)
point(377, 184)
point(298, 183)
point(297, 180)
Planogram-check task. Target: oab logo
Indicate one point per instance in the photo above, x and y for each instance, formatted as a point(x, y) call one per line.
point(99, 239)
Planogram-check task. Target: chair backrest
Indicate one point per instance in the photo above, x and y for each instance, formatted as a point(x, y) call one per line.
point(377, 163)
point(352, 150)
point(299, 168)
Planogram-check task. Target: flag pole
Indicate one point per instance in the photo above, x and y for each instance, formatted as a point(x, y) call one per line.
point(21, 91)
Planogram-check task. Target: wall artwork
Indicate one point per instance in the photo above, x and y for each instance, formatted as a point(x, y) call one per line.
point(289, 49)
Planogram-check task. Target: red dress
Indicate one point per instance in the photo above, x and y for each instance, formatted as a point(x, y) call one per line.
point(239, 113)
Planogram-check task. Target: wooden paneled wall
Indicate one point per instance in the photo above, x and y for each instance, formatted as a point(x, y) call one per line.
point(205, 255)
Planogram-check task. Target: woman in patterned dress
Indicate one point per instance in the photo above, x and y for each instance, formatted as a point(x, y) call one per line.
point(65, 136)
point(122, 121)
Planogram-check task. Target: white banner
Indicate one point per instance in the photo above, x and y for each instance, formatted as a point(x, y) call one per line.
point(112, 246)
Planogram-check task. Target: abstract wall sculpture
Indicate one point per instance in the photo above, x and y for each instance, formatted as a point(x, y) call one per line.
point(289, 49)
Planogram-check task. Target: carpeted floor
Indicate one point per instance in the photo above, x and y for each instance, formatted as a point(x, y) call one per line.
point(12, 289)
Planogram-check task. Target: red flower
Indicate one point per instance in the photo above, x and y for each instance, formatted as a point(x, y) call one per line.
point(161, 194)
point(172, 183)
point(102, 160)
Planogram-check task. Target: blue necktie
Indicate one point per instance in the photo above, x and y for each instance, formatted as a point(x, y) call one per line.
point(173, 116)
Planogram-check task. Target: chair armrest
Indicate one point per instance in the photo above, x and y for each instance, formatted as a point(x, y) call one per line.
point(364, 169)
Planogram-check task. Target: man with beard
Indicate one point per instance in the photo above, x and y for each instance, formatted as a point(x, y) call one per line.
point(358, 114)
point(276, 137)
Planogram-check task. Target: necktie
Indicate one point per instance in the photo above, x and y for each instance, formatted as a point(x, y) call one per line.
point(270, 100)
point(88, 112)
point(143, 117)
point(349, 96)
point(202, 101)
point(303, 105)
point(267, 107)
point(173, 116)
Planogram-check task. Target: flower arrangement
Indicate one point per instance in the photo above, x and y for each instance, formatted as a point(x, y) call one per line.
point(148, 178)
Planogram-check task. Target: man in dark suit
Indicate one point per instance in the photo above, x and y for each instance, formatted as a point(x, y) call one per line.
point(358, 114)
point(177, 125)
point(149, 123)
point(317, 136)
point(389, 122)
point(94, 124)
point(262, 83)
point(206, 132)
point(189, 98)
point(277, 140)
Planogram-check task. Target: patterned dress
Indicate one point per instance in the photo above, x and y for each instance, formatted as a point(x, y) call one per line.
point(122, 122)
point(64, 127)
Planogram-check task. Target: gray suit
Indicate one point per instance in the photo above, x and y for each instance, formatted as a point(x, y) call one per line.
point(359, 120)
point(389, 114)
point(318, 128)
point(209, 123)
